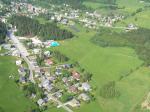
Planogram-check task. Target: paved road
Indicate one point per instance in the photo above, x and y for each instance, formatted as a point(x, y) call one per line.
point(24, 53)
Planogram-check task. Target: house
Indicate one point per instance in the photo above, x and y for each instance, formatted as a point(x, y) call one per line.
point(36, 42)
point(67, 66)
point(58, 71)
point(47, 53)
point(58, 94)
point(21, 70)
point(73, 89)
point(40, 102)
point(45, 83)
point(36, 51)
point(18, 62)
point(15, 53)
point(131, 27)
point(86, 86)
point(65, 79)
point(84, 97)
point(48, 62)
point(52, 78)
point(74, 103)
point(76, 75)
point(33, 95)
point(22, 79)
point(64, 21)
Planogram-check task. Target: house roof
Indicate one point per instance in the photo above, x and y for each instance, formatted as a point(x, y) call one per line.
point(86, 86)
point(73, 89)
point(76, 75)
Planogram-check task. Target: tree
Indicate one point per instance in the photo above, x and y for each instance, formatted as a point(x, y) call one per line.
point(87, 77)
point(31, 27)
point(3, 32)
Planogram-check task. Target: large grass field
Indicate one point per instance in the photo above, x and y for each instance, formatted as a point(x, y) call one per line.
point(130, 6)
point(12, 98)
point(141, 20)
point(109, 64)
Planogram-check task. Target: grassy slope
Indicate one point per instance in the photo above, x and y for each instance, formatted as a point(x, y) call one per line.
point(130, 5)
point(11, 97)
point(105, 63)
point(142, 20)
point(133, 89)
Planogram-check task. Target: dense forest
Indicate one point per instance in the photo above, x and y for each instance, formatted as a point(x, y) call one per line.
point(3, 32)
point(31, 27)
point(137, 39)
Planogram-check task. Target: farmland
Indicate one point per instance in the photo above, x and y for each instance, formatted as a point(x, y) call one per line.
point(11, 96)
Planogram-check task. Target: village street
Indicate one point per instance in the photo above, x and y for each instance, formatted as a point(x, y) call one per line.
point(24, 54)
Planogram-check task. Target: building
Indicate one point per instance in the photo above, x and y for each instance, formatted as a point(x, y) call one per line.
point(86, 86)
point(40, 102)
point(84, 97)
point(73, 89)
point(74, 103)
point(18, 62)
point(76, 75)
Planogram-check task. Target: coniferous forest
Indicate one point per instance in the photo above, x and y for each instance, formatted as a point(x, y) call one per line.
point(31, 27)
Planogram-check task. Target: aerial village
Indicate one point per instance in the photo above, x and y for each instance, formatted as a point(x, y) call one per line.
point(56, 81)
point(61, 83)
point(65, 15)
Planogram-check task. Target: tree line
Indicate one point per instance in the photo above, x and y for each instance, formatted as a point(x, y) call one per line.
point(3, 32)
point(31, 27)
point(137, 39)
point(59, 56)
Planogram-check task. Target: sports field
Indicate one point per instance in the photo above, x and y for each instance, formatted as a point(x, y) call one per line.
point(12, 98)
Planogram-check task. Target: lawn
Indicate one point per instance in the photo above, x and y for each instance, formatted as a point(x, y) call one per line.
point(53, 109)
point(93, 5)
point(106, 64)
point(141, 20)
point(130, 6)
point(133, 89)
point(12, 98)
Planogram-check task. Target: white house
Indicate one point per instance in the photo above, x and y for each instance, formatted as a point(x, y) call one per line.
point(18, 62)
point(86, 86)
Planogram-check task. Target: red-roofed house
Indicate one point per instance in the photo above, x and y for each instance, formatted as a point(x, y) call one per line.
point(76, 75)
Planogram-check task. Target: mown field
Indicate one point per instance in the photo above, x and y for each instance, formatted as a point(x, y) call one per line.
point(108, 64)
point(12, 98)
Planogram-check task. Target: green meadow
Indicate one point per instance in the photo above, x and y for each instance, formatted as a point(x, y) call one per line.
point(108, 64)
point(12, 98)
point(130, 5)
point(127, 6)
point(141, 19)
